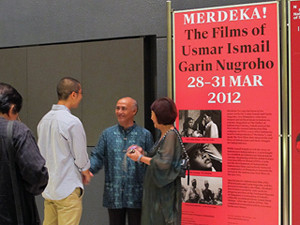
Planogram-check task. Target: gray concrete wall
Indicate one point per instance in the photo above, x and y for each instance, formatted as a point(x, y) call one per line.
point(107, 70)
point(32, 22)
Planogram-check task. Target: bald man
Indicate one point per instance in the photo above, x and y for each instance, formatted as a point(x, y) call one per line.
point(123, 189)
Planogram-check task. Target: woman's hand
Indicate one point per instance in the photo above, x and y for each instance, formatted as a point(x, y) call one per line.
point(136, 148)
point(134, 151)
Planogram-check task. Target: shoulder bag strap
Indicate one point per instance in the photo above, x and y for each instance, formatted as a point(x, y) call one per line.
point(13, 174)
point(184, 155)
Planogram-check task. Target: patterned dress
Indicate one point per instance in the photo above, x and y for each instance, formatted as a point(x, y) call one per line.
point(162, 184)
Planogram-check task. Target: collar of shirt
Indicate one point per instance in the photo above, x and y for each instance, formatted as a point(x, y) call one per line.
point(60, 107)
point(209, 123)
point(128, 130)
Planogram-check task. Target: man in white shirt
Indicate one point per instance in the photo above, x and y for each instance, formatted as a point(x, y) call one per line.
point(211, 129)
point(62, 142)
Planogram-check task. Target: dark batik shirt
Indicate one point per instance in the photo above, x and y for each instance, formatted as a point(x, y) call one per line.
point(123, 186)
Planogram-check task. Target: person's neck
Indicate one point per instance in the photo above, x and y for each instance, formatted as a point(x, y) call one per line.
point(164, 129)
point(65, 103)
point(127, 125)
point(4, 116)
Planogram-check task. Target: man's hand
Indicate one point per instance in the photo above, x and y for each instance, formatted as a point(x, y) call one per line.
point(86, 177)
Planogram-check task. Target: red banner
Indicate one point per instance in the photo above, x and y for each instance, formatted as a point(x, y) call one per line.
point(226, 82)
point(295, 96)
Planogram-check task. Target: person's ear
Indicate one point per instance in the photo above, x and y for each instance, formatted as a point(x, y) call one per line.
point(11, 113)
point(11, 109)
point(73, 94)
point(134, 110)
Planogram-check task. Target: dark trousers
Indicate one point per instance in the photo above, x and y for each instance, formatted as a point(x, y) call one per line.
point(118, 216)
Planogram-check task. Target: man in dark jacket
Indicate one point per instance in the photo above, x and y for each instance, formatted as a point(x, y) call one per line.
point(31, 173)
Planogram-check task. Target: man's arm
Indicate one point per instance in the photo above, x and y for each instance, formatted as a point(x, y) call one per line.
point(86, 177)
point(79, 151)
point(79, 147)
point(214, 133)
point(149, 141)
point(97, 155)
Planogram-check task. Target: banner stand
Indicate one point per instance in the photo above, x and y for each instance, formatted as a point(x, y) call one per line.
point(205, 65)
point(284, 113)
point(169, 48)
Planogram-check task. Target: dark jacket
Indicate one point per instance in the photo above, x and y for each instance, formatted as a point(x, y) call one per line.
point(32, 175)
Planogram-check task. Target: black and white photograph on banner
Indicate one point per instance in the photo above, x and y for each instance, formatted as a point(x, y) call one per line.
point(202, 190)
point(200, 123)
point(204, 157)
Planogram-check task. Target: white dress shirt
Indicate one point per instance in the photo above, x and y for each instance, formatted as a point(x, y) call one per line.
point(62, 142)
point(211, 130)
